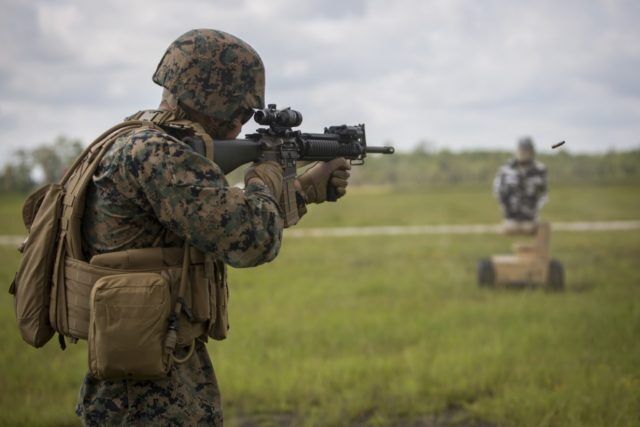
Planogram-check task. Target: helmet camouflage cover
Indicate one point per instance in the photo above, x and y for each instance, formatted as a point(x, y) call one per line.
point(213, 73)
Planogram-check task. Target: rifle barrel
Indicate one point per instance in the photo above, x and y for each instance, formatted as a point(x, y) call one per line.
point(381, 150)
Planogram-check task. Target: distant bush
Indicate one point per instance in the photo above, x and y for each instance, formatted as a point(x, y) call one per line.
point(420, 168)
point(43, 164)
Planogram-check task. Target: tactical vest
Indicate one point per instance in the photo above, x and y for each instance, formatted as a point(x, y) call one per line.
point(54, 277)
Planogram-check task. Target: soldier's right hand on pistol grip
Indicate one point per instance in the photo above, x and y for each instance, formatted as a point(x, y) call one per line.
point(315, 180)
point(268, 173)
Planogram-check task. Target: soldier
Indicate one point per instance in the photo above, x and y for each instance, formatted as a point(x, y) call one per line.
point(153, 189)
point(521, 188)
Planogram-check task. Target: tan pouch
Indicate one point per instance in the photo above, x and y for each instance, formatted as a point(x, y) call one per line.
point(32, 285)
point(129, 317)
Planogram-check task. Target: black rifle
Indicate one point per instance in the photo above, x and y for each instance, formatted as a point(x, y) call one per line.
point(280, 143)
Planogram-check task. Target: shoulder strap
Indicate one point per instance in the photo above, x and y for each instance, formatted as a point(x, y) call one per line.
point(176, 120)
point(80, 173)
point(92, 148)
point(154, 116)
point(199, 131)
point(76, 180)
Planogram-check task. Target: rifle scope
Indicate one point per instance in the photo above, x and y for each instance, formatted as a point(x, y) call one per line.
point(271, 116)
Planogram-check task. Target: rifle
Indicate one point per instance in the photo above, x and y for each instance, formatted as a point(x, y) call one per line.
point(280, 143)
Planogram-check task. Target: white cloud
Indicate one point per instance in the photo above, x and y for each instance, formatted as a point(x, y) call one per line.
point(461, 73)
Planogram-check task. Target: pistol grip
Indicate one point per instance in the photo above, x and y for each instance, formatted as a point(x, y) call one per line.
point(332, 194)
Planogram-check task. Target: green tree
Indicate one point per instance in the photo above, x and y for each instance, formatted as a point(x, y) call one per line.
point(54, 158)
point(50, 159)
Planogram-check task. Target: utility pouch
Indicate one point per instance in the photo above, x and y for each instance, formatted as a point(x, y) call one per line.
point(32, 285)
point(128, 323)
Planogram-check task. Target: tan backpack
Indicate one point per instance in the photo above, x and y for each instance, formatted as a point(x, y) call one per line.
point(57, 290)
point(41, 214)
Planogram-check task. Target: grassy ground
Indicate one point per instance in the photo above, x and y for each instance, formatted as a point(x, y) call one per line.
point(385, 206)
point(11, 214)
point(392, 330)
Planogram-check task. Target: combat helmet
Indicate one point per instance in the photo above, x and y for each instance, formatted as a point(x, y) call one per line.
point(213, 72)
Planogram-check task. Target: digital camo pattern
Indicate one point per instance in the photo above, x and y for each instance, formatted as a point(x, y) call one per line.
point(213, 73)
point(521, 190)
point(152, 190)
point(188, 397)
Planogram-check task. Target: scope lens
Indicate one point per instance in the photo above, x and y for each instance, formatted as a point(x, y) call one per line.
point(284, 118)
point(289, 118)
point(262, 117)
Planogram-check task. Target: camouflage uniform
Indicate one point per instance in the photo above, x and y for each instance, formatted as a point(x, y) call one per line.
point(521, 189)
point(153, 190)
point(189, 396)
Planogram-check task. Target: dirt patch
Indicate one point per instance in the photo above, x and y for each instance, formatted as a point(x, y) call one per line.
point(265, 420)
point(453, 416)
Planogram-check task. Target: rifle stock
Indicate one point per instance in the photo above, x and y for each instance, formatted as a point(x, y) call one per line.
point(230, 154)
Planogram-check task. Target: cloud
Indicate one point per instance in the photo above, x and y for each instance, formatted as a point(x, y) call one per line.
point(461, 73)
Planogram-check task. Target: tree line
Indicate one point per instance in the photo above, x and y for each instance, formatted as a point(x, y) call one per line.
point(422, 167)
point(44, 164)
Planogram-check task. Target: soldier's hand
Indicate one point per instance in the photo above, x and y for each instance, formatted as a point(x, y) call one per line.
point(268, 173)
point(314, 181)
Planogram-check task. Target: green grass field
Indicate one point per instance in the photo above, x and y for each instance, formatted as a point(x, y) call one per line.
point(394, 330)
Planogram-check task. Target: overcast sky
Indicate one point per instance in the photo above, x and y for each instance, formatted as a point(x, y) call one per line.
point(458, 73)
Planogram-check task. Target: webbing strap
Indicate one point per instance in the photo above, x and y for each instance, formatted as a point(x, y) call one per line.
point(78, 178)
point(81, 172)
point(204, 136)
point(196, 128)
point(171, 338)
point(176, 119)
point(97, 141)
point(154, 116)
point(79, 276)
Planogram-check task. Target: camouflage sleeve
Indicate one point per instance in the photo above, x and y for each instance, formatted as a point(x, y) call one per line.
point(190, 196)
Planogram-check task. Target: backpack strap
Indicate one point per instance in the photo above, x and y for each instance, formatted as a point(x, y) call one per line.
point(154, 116)
point(78, 178)
point(98, 141)
point(200, 133)
point(177, 120)
point(73, 275)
